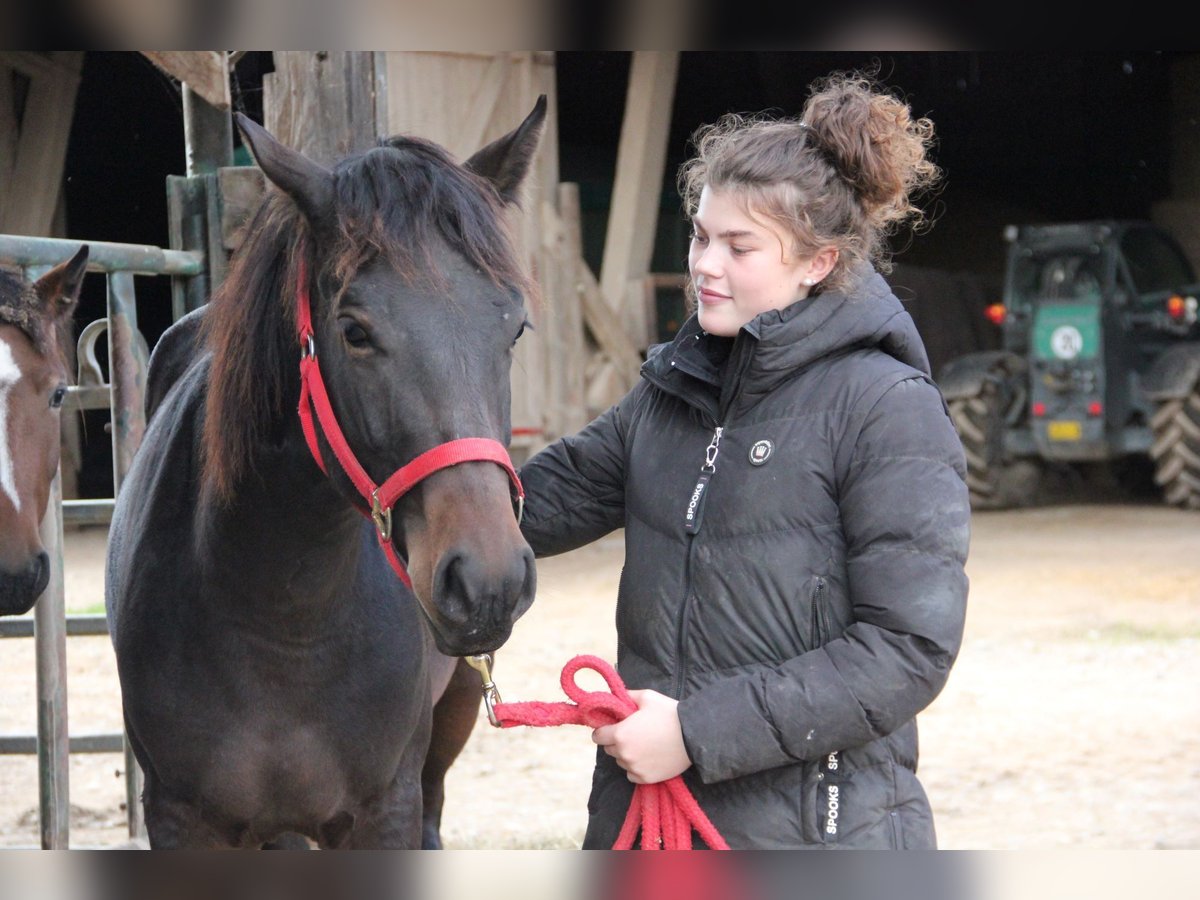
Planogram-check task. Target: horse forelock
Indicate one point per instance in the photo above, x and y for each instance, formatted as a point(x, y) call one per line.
point(21, 307)
point(405, 198)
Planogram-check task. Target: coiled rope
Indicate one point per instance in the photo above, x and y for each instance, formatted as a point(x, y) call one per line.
point(666, 813)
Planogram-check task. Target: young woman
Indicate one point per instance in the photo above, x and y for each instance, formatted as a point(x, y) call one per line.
point(792, 492)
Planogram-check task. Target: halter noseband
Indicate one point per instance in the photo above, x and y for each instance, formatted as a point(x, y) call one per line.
point(379, 498)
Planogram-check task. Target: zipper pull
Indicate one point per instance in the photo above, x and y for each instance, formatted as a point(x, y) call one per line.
point(695, 507)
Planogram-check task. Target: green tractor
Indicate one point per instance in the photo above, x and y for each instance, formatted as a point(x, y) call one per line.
point(1099, 363)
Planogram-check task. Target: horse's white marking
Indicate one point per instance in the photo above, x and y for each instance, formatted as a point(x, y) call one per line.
point(9, 375)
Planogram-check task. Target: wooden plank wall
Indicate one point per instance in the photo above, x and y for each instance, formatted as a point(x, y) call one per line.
point(463, 101)
point(321, 103)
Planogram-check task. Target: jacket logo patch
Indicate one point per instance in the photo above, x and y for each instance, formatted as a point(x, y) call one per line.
point(761, 452)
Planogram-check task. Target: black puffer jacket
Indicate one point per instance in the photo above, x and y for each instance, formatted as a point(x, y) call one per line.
point(817, 605)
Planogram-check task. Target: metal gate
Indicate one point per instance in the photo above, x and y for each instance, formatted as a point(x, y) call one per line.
point(123, 395)
point(201, 218)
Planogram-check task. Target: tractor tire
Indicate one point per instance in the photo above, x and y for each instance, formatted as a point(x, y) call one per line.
point(1176, 450)
point(993, 481)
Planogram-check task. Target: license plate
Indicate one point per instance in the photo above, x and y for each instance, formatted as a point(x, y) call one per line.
point(1064, 431)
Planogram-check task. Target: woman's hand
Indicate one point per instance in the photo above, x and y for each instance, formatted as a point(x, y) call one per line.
point(647, 744)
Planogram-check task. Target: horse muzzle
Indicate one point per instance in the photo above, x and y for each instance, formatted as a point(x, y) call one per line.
point(19, 590)
point(477, 599)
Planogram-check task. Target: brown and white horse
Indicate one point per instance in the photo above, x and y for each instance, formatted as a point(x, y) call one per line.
point(35, 343)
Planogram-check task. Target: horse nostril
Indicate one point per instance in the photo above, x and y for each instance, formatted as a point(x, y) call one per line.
point(20, 590)
point(39, 571)
point(451, 591)
point(467, 592)
point(528, 583)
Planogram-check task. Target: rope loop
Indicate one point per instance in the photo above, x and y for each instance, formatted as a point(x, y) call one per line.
point(665, 813)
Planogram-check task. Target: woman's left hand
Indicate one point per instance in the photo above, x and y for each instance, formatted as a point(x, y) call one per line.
point(647, 744)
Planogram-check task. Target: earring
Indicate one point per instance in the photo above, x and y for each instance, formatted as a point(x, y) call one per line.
point(808, 282)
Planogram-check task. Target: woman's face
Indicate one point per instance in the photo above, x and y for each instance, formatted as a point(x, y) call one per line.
point(742, 265)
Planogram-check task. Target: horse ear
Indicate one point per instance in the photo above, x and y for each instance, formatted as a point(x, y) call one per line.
point(505, 161)
point(307, 183)
point(59, 288)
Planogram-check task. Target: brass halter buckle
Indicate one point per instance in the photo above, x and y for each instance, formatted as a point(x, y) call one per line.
point(382, 517)
point(482, 663)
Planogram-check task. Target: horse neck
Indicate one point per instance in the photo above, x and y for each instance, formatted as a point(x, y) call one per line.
point(287, 538)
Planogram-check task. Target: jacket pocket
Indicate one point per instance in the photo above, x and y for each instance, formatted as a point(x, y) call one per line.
point(820, 630)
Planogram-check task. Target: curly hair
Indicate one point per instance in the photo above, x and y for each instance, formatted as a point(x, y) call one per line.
point(842, 174)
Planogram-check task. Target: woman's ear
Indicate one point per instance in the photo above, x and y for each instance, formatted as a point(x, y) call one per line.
point(820, 265)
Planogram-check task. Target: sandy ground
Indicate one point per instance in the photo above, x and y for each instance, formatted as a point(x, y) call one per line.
point(1071, 720)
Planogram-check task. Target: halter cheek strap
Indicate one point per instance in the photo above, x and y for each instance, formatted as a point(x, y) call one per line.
point(380, 499)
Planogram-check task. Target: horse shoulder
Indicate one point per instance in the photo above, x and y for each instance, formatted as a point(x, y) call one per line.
point(175, 351)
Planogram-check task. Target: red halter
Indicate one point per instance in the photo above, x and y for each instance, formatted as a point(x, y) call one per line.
point(379, 498)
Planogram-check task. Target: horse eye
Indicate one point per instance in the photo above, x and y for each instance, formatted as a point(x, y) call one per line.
point(526, 325)
point(57, 398)
point(355, 334)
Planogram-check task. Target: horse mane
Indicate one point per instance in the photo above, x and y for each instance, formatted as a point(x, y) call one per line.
point(20, 306)
point(394, 200)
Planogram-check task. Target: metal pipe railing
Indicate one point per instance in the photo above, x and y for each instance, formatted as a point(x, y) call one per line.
point(103, 256)
point(124, 396)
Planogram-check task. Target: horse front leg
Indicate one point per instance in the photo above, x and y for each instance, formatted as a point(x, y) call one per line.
point(454, 718)
point(394, 823)
point(174, 824)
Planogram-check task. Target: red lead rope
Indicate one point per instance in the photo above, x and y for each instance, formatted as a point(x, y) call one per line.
point(665, 812)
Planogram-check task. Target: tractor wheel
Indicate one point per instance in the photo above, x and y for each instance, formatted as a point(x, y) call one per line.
point(1176, 450)
point(994, 482)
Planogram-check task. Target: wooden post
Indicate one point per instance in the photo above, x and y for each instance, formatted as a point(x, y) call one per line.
point(31, 178)
point(321, 103)
point(637, 185)
point(570, 348)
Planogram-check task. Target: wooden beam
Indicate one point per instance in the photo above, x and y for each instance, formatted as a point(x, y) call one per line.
point(606, 327)
point(206, 72)
point(637, 185)
point(568, 382)
point(37, 62)
point(29, 200)
point(10, 134)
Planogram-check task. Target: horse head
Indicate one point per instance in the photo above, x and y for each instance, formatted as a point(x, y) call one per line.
point(35, 331)
point(417, 300)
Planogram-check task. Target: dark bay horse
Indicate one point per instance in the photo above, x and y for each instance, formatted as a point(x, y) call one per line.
point(36, 339)
point(278, 675)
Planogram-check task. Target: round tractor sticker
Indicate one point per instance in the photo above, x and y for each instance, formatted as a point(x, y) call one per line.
point(1066, 341)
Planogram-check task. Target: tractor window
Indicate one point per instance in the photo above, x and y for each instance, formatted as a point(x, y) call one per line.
point(1155, 264)
point(1062, 276)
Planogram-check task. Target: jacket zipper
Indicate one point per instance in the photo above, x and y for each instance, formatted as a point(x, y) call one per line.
point(692, 521)
point(820, 627)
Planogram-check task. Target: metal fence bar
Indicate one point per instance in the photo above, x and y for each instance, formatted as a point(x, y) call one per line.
point(50, 626)
point(127, 368)
point(50, 636)
point(31, 252)
point(88, 512)
point(77, 626)
point(127, 375)
point(27, 744)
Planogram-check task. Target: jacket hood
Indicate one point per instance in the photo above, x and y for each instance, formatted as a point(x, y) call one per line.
point(777, 343)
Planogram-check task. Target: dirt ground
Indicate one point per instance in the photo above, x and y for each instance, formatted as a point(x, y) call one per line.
point(1071, 720)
